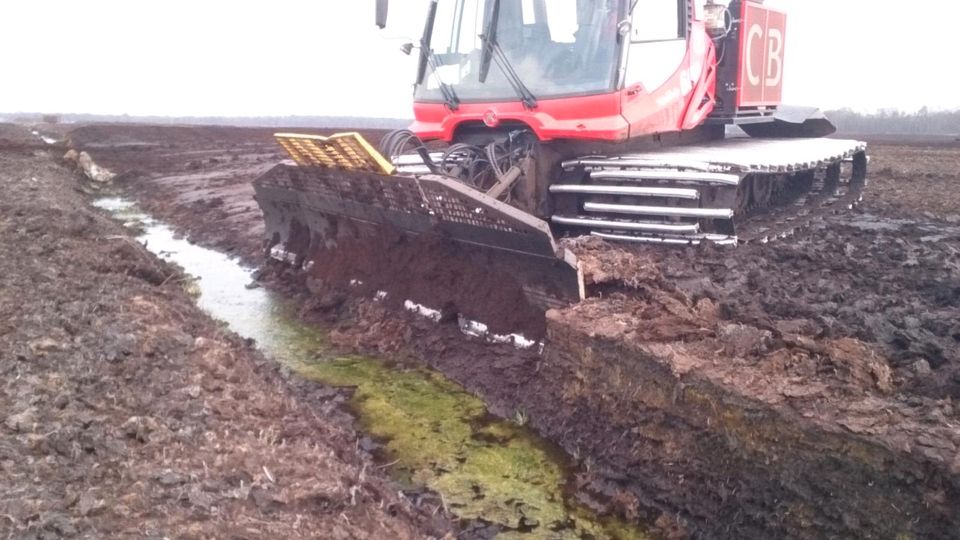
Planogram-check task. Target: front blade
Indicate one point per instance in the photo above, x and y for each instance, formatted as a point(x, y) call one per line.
point(409, 204)
point(309, 209)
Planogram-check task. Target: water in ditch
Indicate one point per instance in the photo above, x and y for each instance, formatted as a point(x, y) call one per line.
point(434, 433)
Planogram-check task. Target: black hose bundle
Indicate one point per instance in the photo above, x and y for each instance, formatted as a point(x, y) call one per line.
point(398, 142)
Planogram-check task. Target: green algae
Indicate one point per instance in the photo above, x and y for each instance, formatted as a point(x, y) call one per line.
point(424, 418)
point(442, 437)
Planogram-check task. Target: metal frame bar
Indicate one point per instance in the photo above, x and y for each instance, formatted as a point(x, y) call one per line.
point(636, 191)
point(685, 228)
point(704, 213)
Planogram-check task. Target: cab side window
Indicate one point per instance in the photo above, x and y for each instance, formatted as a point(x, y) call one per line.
point(659, 20)
point(658, 41)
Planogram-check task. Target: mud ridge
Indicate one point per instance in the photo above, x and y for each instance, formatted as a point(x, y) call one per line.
point(127, 411)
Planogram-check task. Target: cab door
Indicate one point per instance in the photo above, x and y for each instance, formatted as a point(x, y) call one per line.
point(657, 77)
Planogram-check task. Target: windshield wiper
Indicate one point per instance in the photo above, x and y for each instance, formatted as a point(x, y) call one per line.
point(489, 38)
point(492, 51)
point(529, 100)
point(449, 94)
point(427, 57)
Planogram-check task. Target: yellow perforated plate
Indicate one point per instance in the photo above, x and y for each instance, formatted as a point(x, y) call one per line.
point(348, 151)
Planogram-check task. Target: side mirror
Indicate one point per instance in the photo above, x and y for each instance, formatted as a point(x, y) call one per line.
point(382, 6)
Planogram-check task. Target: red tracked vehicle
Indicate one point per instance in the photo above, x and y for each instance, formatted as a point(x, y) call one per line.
point(539, 119)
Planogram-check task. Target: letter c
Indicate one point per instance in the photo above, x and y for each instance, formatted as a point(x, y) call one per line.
point(755, 31)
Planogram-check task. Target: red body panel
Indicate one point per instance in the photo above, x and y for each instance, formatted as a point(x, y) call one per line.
point(762, 39)
point(585, 117)
point(683, 102)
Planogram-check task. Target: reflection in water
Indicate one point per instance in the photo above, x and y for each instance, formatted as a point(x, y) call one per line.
point(253, 313)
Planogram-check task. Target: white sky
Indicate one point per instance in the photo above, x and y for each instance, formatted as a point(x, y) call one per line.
point(321, 57)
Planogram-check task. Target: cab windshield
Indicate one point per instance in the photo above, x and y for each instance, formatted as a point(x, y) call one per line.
point(556, 47)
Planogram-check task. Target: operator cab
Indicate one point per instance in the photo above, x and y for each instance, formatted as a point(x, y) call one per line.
point(557, 48)
point(606, 70)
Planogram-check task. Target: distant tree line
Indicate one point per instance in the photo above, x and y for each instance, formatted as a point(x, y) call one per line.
point(922, 122)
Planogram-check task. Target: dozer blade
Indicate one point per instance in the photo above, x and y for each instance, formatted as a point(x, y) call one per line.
point(340, 188)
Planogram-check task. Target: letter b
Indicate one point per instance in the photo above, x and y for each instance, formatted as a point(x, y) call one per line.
point(774, 57)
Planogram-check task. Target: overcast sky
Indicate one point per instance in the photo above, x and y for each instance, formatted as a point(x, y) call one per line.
point(321, 57)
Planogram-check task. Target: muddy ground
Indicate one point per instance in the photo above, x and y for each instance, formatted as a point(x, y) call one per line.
point(126, 412)
point(841, 342)
point(198, 177)
point(885, 274)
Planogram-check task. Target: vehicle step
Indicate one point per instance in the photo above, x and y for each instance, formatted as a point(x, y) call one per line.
point(643, 163)
point(617, 225)
point(719, 239)
point(671, 211)
point(679, 176)
point(638, 191)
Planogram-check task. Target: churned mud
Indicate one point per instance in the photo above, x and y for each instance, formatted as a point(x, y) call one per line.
point(432, 271)
point(127, 412)
point(801, 388)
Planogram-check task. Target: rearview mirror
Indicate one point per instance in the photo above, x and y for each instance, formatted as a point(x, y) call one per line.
point(382, 6)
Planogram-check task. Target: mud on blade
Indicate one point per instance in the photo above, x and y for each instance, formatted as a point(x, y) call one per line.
point(335, 195)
